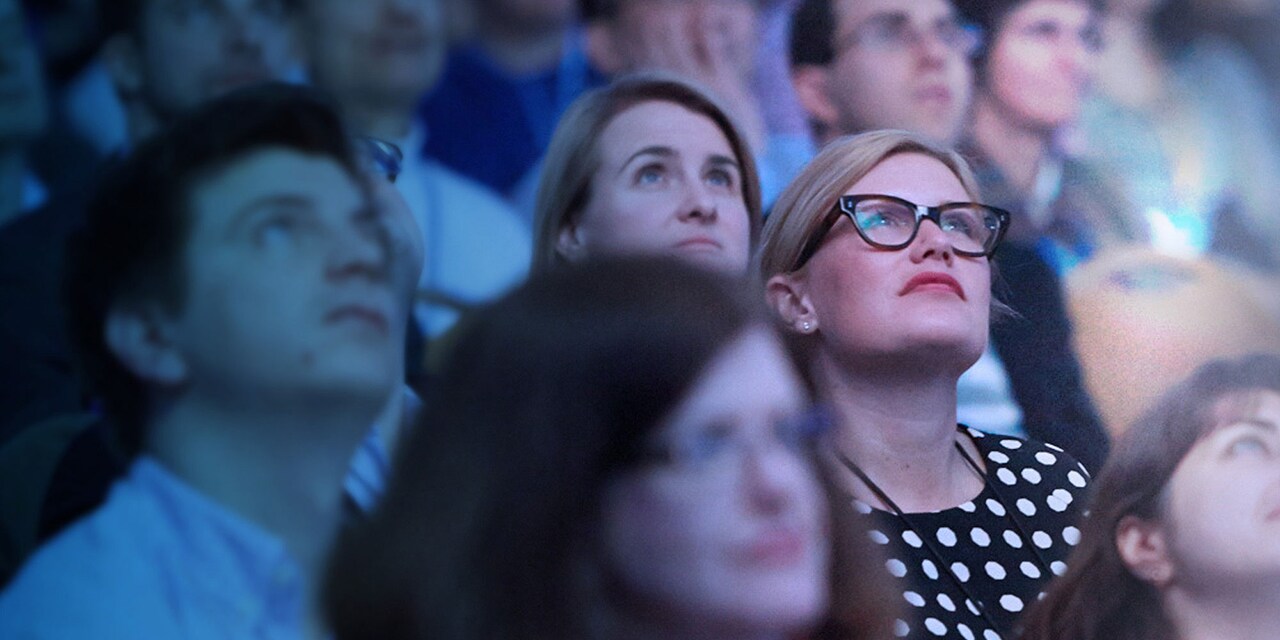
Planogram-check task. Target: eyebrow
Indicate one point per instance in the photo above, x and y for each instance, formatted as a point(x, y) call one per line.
point(718, 160)
point(652, 150)
point(271, 201)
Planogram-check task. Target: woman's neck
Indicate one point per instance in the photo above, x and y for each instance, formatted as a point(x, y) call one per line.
point(1232, 614)
point(902, 434)
point(1017, 150)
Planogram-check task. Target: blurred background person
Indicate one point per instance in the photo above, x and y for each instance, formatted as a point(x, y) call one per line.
point(1184, 122)
point(24, 113)
point(168, 57)
point(517, 71)
point(1181, 541)
point(859, 65)
point(649, 164)
point(877, 263)
point(619, 449)
point(378, 59)
point(1033, 75)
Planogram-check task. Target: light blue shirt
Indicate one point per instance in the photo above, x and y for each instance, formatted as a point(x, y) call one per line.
point(157, 560)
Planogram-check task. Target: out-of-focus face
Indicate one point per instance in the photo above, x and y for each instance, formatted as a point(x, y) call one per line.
point(23, 110)
point(1042, 61)
point(685, 36)
point(190, 51)
point(288, 293)
point(374, 50)
point(1222, 505)
point(900, 64)
point(727, 536)
point(668, 183)
point(924, 299)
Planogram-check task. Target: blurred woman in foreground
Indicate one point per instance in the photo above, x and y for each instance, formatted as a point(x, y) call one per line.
point(617, 450)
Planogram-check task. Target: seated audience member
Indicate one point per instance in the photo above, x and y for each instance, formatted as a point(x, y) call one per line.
point(859, 65)
point(167, 57)
point(620, 449)
point(877, 262)
point(232, 301)
point(475, 246)
point(37, 388)
point(1184, 124)
point(519, 70)
point(1033, 75)
point(649, 164)
point(1180, 540)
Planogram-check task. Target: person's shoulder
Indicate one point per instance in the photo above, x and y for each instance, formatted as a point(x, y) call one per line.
point(93, 580)
point(1030, 459)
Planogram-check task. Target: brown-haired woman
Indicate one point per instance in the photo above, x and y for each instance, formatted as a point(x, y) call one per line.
point(617, 449)
point(1183, 537)
point(649, 164)
point(877, 263)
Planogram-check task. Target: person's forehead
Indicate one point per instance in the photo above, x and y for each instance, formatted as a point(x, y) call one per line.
point(217, 196)
point(850, 13)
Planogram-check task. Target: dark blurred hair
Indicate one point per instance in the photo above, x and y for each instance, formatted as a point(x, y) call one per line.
point(1098, 598)
point(126, 16)
point(132, 247)
point(549, 392)
point(813, 33)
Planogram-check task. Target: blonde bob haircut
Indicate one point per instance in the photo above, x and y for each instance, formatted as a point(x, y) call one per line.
point(802, 207)
point(574, 155)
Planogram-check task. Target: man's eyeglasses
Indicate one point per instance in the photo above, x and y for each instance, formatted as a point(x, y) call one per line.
point(889, 222)
point(380, 157)
point(894, 32)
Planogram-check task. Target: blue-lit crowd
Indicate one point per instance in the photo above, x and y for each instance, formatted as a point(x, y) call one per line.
point(640, 319)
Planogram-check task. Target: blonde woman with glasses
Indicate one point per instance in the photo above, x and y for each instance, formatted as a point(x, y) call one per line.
point(877, 262)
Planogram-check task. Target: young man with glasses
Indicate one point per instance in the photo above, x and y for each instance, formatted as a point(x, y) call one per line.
point(233, 305)
point(859, 65)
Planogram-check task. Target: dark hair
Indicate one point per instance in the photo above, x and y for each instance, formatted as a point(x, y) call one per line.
point(1099, 598)
point(132, 245)
point(126, 16)
point(813, 33)
point(989, 16)
point(547, 394)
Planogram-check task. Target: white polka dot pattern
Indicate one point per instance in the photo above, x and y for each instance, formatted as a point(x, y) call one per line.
point(1031, 488)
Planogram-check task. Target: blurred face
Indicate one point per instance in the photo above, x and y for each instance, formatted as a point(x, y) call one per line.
point(900, 64)
point(22, 101)
point(191, 51)
point(375, 50)
point(924, 300)
point(288, 291)
point(1222, 510)
point(694, 37)
point(727, 536)
point(1042, 61)
point(668, 183)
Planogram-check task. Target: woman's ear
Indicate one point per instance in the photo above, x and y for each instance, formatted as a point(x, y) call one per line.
point(1143, 546)
point(788, 297)
point(570, 243)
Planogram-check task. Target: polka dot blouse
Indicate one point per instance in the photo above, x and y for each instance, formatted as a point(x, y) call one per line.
point(969, 572)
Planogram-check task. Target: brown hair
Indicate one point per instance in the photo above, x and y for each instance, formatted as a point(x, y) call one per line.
point(574, 157)
point(1099, 598)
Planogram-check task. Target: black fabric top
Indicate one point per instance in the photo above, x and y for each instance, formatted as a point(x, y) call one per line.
point(970, 571)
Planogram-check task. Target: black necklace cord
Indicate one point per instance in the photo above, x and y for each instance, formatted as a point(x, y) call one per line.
point(933, 551)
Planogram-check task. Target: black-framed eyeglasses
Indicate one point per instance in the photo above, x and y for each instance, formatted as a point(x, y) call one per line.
point(380, 157)
point(889, 222)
